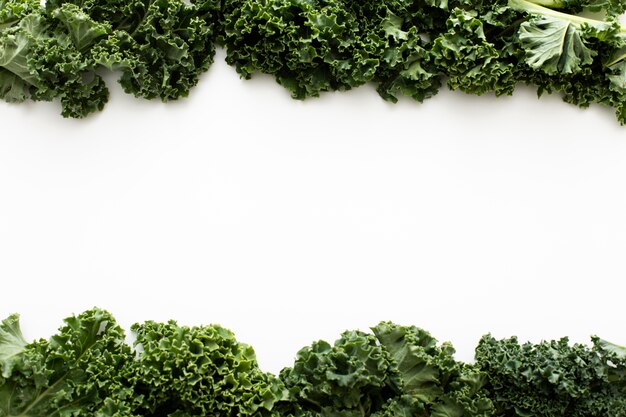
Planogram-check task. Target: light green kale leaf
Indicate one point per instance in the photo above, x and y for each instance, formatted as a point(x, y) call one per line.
point(12, 11)
point(83, 30)
point(72, 374)
point(12, 343)
point(17, 44)
point(611, 348)
point(415, 353)
point(12, 88)
point(554, 45)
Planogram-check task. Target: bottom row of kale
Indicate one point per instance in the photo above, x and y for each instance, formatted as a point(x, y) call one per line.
point(89, 369)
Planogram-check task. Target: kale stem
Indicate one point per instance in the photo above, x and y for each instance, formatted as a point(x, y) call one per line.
point(553, 4)
point(536, 7)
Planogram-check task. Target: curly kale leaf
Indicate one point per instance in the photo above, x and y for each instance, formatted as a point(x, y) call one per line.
point(72, 374)
point(160, 46)
point(615, 358)
point(16, 45)
point(473, 64)
point(12, 344)
point(183, 371)
point(398, 371)
point(353, 375)
point(40, 58)
point(324, 45)
point(309, 47)
point(611, 7)
point(407, 66)
point(551, 378)
point(163, 54)
point(430, 375)
point(12, 11)
point(82, 30)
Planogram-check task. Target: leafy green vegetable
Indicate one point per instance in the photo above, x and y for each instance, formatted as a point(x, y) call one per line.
point(162, 53)
point(473, 64)
point(554, 378)
point(12, 343)
point(198, 371)
point(87, 369)
point(72, 374)
point(429, 375)
point(40, 58)
point(161, 47)
point(554, 45)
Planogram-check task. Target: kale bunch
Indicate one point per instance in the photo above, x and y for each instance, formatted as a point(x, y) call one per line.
point(404, 47)
point(88, 369)
point(412, 47)
point(58, 51)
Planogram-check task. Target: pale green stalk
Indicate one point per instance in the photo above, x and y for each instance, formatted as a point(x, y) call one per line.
point(541, 7)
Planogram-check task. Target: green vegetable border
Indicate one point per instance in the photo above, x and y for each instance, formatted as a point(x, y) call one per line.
point(159, 48)
point(88, 369)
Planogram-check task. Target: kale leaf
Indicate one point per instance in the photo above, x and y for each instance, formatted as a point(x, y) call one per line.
point(554, 378)
point(72, 374)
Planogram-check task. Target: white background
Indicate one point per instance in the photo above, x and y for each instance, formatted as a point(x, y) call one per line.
point(291, 221)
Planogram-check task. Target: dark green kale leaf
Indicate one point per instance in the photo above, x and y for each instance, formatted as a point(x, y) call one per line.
point(398, 371)
point(352, 377)
point(161, 47)
point(473, 64)
point(197, 371)
point(429, 376)
point(407, 64)
point(611, 7)
point(553, 378)
point(309, 46)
